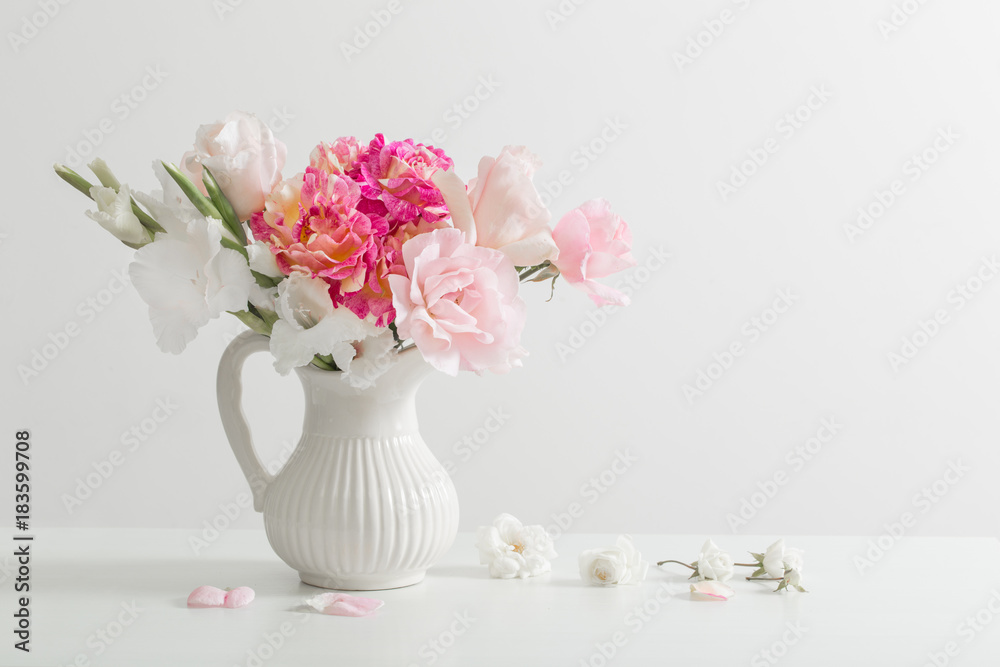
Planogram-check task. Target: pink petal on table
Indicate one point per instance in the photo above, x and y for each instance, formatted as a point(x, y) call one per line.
point(206, 596)
point(711, 590)
point(342, 604)
point(239, 597)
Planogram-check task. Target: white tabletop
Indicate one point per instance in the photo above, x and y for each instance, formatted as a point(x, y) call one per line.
point(922, 597)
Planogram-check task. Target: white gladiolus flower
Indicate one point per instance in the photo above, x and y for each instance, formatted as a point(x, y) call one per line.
point(187, 279)
point(310, 325)
point(611, 566)
point(714, 564)
point(262, 260)
point(514, 550)
point(364, 361)
point(114, 213)
point(103, 173)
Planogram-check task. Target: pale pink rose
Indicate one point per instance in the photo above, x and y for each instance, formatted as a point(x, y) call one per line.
point(459, 303)
point(501, 208)
point(243, 155)
point(593, 243)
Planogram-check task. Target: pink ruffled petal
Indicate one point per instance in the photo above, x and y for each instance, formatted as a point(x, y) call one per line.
point(711, 590)
point(342, 604)
point(206, 596)
point(239, 597)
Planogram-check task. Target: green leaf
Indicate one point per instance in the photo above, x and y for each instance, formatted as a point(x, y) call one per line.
point(265, 281)
point(73, 178)
point(225, 209)
point(552, 292)
point(269, 317)
point(146, 219)
point(395, 334)
point(200, 201)
point(233, 245)
point(252, 321)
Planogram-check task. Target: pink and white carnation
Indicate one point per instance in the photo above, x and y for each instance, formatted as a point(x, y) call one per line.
point(397, 179)
point(459, 304)
point(593, 243)
point(347, 217)
point(312, 224)
point(339, 157)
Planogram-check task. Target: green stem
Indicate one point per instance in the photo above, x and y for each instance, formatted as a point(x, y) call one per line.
point(690, 567)
point(533, 270)
point(319, 363)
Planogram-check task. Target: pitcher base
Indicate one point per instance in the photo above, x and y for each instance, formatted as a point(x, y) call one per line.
point(363, 582)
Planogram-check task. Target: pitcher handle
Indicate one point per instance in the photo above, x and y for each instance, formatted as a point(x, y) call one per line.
point(229, 390)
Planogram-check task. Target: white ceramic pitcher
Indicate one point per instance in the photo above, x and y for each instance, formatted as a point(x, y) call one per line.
point(362, 504)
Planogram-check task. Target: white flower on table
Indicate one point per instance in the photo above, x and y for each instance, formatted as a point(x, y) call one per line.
point(714, 563)
point(611, 566)
point(783, 563)
point(779, 558)
point(514, 550)
point(792, 578)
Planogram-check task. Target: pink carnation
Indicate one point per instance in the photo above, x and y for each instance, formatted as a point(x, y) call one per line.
point(593, 243)
point(397, 179)
point(340, 157)
point(328, 236)
point(347, 218)
point(459, 303)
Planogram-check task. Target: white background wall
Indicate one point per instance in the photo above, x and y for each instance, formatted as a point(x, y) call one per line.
point(683, 128)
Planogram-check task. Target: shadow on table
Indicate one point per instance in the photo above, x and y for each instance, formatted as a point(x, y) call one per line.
point(459, 571)
point(172, 580)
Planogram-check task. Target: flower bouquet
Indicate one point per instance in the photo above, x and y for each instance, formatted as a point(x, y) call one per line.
point(364, 271)
point(369, 249)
